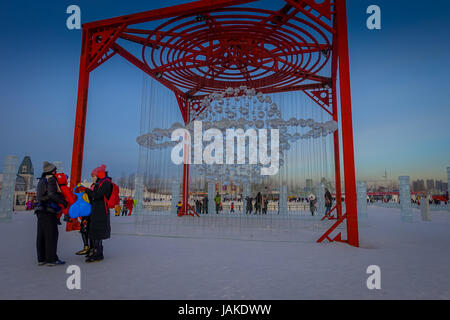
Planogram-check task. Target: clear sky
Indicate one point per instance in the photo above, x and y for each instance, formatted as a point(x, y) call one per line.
point(400, 87)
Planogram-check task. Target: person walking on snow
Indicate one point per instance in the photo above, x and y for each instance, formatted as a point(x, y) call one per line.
point(124, 207)
point(217, 200)
point(205, 205)
point(258, 203)
point(328, 202)
point(100, 224)
point(49, 196)
point(179, 205)
point(312, 205)
point(265, 204)
point(117, 210)
point(130, 204)
point(249, 207)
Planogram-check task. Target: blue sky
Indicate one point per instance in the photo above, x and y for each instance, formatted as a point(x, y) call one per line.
point(399, 75)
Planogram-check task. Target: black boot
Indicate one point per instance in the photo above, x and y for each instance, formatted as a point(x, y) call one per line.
point(86, 247)
point(83, 251)
point(97, 252)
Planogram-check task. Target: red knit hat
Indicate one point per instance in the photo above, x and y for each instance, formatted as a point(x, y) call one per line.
point(99, 171)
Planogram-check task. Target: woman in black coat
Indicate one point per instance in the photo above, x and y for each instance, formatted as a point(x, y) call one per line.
point(100, 225)
point(328, 202)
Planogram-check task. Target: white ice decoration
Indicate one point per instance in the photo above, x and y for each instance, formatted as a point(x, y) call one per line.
point(405, 199)
point(242, 108)
point(8, 187)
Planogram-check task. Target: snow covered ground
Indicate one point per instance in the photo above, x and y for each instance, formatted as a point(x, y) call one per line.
point(181, 259)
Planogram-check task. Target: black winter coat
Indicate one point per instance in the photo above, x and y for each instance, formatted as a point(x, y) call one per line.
point(328, 199)
point(100, 224)
point(48, 195)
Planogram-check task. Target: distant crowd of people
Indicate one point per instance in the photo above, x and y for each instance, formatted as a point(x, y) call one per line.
point(257, 205)
point(126, 209)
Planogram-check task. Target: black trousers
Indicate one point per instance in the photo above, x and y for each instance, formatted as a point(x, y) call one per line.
point(98, 248)
point(47, 237)
point(85, 231)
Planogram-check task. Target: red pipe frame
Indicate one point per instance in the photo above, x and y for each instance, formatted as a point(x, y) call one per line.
point(99, 44)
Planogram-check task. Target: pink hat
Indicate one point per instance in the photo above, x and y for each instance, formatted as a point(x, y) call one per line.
point(99, 170)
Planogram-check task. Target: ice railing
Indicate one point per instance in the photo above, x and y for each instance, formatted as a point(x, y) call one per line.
point(297, 226)
point(396, 205)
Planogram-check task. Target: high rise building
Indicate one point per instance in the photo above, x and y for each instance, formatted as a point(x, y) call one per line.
point(418, 185)
point(439, 185)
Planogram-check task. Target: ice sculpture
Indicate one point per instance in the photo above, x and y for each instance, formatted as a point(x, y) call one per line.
point(361, 190)
point(211, 196)
point(175, 196)
point(259, 112)
point(425, 209)
point(283, 200)
point(405, 199)
point(320, 196)
point(8, 188)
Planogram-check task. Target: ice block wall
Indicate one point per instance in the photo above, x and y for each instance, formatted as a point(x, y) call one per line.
point(405, 199)
point(425, 208)
point(8, 188)
point(320, 196)
point(361, 191)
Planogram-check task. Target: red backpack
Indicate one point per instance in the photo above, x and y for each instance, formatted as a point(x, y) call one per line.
point(114, 198)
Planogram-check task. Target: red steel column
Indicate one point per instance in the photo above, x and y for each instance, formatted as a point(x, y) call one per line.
point(80, 118)
point(337, 159)
point(347, 126)
point(186, 155)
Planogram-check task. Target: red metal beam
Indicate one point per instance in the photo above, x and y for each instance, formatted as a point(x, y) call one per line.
point(337, 157)
point(311, 96)
point(80, 117)
point(347, 126)
point(333, 227)
point(301, 7)
point(163, 13)
point(141, 65)
point(95, 51)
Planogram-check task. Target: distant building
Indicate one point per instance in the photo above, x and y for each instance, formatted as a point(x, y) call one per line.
point(418, 185)
point(26, 171)
point(24, 184)
point(430, 184)
point(440, 186)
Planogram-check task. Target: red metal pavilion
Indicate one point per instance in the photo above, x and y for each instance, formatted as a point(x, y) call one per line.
point(207, 46)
